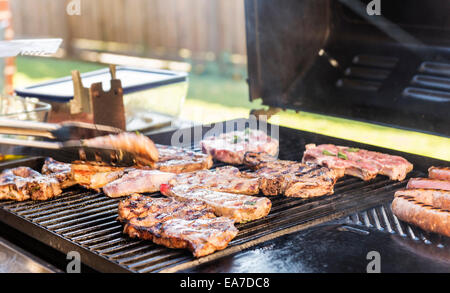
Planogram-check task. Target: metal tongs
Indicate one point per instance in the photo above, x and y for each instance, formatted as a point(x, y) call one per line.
point(67, 143)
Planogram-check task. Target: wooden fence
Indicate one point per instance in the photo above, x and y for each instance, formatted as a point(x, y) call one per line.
point(165, 28)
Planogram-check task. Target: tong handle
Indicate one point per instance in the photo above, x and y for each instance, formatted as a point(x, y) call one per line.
point(31, 143)
point(28, 128)
point(61, 132)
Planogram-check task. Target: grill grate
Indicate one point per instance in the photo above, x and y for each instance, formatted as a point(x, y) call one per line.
point(85, 221)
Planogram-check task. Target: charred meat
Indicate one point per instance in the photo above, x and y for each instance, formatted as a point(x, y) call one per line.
point(289, 178)
point(184, 225)
point(239, 207)
point(231, 147)
point(178, 160)
point(423, 215)
point(225, 179)
point(24, 183)
point(61, 171)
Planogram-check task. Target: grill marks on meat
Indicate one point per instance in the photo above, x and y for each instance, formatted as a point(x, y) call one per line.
point(225, 179)
point(60, 171)
point(231, 147)
point(357, 162)
point(436, 198)
point(178, 160)
point(239, 207)
point(24, 183)
point(137, 181)
point(184, 225)
point(426, 202)
point(293, 179)
point(425, 216)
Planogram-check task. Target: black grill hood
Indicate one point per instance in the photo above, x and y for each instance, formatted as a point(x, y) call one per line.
point(331, 57)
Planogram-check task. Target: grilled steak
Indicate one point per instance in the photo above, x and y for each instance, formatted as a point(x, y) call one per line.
point(442, 173)
point(178, 160)
point(238, 207)
point(428, 184)
point(201, 236)
point(24, 183)
point(436, 198)
point(60, 171)
point(225, 179)
point(142, 146)
point(293, 179)
point(137, 181)
point(175, 224)
point(231, 147)
point(425, 216)
point(95, 176)
point(356, 162)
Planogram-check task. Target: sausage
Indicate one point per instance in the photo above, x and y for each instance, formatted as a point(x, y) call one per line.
point(424, 216)
point(428, 184)
point(442, 173)
point(435, 198)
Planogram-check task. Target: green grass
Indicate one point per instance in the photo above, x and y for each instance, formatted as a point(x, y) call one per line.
point(213, 98)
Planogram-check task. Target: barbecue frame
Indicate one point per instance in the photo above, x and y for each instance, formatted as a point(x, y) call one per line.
point(287, 216)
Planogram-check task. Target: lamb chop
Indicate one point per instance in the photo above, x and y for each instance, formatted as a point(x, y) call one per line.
point(231, 147)
point(224, 179)
point(357, 162)
point(180, 160)
point(60, 171)
point(290, 178)
point(239, 207)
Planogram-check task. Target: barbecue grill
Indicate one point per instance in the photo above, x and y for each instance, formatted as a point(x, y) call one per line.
point(321, 56)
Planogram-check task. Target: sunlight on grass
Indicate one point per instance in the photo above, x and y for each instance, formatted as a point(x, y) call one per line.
point(407, 141)
point(214, 98)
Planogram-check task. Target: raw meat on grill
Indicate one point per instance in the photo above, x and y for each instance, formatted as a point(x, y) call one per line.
point(24, 183)
point(179, 160)
point(239, 207)
point(225, 179)
point(442, 173)
point(289, 178)
point(137, 181)
point(427, 183)
point(357, 162)
point(184, 225)
point(61, 171)
point(135, 143)
point(425, 216)
point(231, 147)
point(436, 198)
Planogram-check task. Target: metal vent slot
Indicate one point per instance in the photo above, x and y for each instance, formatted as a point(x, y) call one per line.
point(376, 61)
point(367, 73)
point(356, 84)
point(382, 218)
point(426, 95)
point(431, 81)
point(435, 68)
